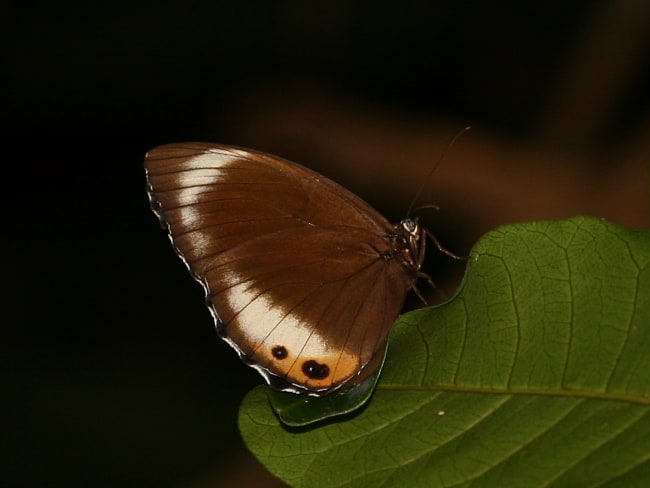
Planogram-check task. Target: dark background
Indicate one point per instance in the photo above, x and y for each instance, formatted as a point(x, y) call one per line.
point(112, 374)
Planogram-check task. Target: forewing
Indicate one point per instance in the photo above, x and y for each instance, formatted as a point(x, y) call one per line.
point(291, 262)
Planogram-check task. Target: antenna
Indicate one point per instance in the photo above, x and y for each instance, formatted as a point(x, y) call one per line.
point(426, 180)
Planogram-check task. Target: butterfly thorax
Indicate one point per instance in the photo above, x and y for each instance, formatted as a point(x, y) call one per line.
point(407, 244)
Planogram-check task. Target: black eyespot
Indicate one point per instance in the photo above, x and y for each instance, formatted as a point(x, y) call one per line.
point(279, 352)
point(315, 370)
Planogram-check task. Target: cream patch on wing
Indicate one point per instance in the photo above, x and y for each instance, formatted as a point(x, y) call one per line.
point(265, 321)
point(204, 164)
point(193, 194)
point(202, 170)
point(267, 326)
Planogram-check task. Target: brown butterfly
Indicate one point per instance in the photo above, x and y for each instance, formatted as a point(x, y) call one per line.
point(303, 278)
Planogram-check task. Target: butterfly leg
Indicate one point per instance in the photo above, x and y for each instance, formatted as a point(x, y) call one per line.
point(440, 247)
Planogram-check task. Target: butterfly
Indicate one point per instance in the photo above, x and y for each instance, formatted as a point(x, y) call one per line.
point(302, 277)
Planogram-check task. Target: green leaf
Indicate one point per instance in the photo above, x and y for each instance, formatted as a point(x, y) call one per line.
point(537, 373)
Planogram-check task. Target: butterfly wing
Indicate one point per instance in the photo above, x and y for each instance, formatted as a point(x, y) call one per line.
point(294, 266)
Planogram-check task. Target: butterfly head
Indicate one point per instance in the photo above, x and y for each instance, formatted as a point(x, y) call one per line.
point(407, 244)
